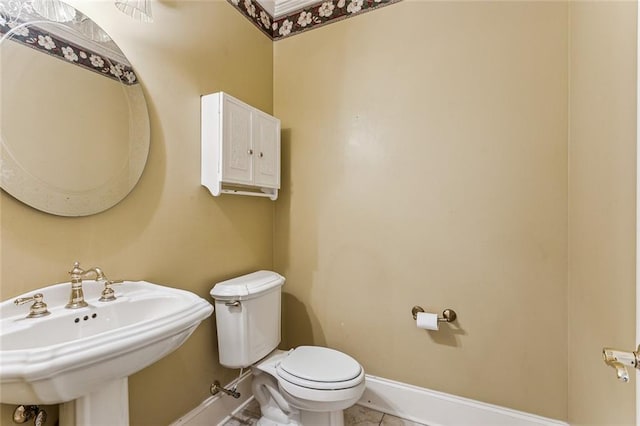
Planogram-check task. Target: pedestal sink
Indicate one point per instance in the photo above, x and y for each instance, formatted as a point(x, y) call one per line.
point(85, 355)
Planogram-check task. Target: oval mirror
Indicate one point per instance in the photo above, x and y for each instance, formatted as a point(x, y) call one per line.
point(74, 125)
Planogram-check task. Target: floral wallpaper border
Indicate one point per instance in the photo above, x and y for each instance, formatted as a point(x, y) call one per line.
point(313, 16)
point(45, 42)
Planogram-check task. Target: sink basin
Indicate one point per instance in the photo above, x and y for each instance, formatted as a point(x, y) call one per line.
point(73, 352)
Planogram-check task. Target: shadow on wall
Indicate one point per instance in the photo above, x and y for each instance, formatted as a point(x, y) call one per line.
point(448, 334)
point(283, 205)
point(296, 324)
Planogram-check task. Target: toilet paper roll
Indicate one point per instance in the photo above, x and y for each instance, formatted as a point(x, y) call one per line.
point(427, 320)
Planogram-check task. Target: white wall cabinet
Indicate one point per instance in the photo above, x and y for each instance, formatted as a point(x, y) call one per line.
point(240, 148)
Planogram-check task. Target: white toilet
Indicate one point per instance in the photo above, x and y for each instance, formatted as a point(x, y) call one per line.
point(309, 385)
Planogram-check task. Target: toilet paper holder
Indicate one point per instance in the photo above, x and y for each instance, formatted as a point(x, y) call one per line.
point(448, 315)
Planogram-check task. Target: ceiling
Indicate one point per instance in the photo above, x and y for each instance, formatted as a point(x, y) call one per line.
point(278, 8)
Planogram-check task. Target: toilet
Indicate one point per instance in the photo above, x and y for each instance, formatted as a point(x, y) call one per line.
point(308, 385)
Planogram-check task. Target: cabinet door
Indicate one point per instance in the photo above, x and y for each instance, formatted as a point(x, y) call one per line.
point(237, 166)
point(266, 143)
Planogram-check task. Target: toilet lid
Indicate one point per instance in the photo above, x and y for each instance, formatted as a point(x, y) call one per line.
point(320, 368)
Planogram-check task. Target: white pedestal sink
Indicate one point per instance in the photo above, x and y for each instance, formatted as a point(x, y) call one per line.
point(85, 355)
point(108, 406)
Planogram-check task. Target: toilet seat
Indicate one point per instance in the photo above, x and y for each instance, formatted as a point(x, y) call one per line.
point(320, 368)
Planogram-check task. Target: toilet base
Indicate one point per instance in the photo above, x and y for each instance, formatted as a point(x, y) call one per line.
point(266, 422)
point(333, 418)
point(277, 411)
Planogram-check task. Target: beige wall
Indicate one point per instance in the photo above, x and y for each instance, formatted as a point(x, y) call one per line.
point(169, 230)
point(425, 161)
point(602, 198)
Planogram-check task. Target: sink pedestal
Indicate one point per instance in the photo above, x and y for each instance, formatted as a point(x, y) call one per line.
point(109, 406)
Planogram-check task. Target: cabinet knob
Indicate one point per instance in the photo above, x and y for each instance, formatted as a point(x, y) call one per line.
point(261, 155)
point(250, 152)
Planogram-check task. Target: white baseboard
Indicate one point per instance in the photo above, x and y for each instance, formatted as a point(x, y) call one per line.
point(440, 409)
point(399, 399)
point(215, 409)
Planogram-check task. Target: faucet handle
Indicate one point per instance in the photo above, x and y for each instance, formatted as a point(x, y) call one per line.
point(108, 295)
point(76, 271)
point(38, 309)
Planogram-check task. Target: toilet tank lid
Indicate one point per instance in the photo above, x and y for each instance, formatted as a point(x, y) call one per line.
point(247, 286)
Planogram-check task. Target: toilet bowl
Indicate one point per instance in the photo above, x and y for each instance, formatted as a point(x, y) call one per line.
point(308, 385)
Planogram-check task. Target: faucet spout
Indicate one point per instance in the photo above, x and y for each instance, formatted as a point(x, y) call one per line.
point(99, 275)
point(76, 299)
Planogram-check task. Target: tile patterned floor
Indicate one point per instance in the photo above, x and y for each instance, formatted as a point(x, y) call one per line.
point(354, 416)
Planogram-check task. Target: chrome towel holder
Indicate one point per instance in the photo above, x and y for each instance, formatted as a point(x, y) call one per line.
point(448, 315)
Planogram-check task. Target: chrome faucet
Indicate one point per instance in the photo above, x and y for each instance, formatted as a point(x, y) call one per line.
point(76, 299)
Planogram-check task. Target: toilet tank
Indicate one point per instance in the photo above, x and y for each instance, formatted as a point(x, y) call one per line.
point(247, 312)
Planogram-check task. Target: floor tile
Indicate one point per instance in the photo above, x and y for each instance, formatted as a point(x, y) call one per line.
point(362, 416)
point(252, 409)
point(238, 420)
point(389, 420)
point(353, 416)
point(248, 416)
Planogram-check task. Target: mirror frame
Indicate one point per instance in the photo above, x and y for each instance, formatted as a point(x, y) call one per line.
point(23, 185)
